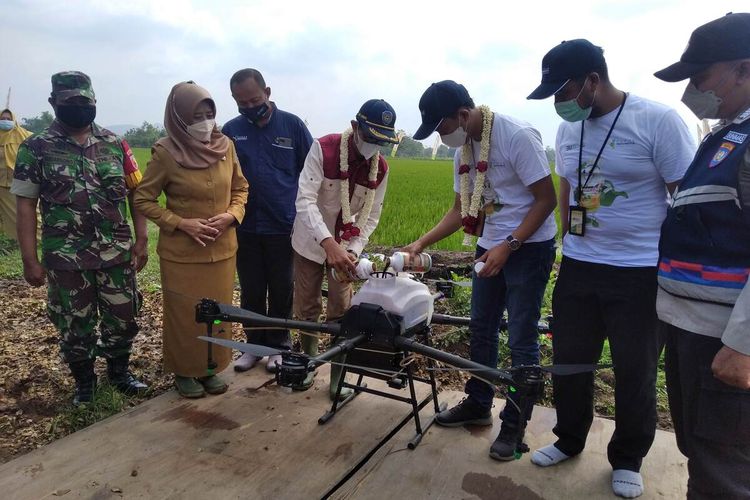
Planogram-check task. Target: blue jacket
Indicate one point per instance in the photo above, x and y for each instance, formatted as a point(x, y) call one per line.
point(705, 239)
point(271, 158)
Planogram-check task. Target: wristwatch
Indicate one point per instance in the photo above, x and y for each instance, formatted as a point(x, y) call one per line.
point(513, 243)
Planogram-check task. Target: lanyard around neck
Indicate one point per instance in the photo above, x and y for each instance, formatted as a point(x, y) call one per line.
point(579, 190)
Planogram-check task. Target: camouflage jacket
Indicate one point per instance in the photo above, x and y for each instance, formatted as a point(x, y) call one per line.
point(82, 191)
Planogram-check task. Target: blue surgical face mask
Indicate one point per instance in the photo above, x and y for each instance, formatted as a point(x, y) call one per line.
point(571, 111)
point(6, 124)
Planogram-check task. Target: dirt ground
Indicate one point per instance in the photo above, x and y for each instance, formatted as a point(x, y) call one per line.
point(36, 387)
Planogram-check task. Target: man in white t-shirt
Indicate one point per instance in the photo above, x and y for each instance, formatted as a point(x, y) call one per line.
point(617, 155)
point(515, 251)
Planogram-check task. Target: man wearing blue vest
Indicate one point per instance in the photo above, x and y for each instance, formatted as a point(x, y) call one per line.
point(271, 146)
point(703, 300)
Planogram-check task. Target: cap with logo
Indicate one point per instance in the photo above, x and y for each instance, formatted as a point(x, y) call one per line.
point(377, 120)
point(67, 84)
point(723, 39)
point(569, 60)
point(440, 100)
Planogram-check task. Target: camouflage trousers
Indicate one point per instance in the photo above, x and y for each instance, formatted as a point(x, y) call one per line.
point(79, 301)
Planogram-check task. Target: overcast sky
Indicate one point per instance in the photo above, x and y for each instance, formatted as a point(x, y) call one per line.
point(323, 59)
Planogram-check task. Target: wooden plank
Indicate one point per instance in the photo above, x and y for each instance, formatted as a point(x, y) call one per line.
point(252, 442)
point(454, 464)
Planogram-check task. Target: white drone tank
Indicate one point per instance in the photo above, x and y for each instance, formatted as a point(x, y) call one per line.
point(399, 295)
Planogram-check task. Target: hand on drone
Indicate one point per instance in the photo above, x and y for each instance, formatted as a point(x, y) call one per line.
point(338, 258)
point(494, 260)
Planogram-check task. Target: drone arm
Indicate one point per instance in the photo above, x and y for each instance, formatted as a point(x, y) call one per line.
point(341, 347)
point(209, 310)
point(490, 375)
point(444, 319)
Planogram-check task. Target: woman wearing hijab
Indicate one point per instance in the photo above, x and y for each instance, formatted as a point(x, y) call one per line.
point(11, 136)
point(196, 167)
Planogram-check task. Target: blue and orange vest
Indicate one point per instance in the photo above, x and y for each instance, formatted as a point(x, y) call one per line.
point(705, 239)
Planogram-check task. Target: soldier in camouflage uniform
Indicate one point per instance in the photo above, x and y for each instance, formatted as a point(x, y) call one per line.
point(82, 175)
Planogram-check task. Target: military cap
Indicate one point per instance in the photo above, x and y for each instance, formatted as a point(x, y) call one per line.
point(67, 84)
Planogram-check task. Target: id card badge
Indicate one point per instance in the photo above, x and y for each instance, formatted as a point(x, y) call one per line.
point(577, 221)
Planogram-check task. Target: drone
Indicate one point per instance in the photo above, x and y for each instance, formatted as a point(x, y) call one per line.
point(387, 324)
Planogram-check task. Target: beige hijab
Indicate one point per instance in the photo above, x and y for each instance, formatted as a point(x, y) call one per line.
point(187, 151)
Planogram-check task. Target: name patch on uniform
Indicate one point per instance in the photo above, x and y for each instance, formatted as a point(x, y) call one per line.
point(735, 137)
point(240, 137)
point(721, 154)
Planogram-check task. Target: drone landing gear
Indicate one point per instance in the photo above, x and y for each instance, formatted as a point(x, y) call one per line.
point(399, 381)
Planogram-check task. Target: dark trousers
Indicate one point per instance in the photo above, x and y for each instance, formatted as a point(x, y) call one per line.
point(711, 419)
point(592, 302)
point(519, 288)
point(265, 270)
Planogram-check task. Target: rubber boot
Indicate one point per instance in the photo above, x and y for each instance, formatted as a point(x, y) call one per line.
point(336, 371)
point(83, 373)
point(309, 345)
point(122, 379)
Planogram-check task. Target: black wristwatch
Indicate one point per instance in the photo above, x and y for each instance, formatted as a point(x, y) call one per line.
point(513, 243)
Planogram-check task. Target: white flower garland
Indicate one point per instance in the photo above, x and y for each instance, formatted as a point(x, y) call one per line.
point(470, 201)
point(352, 228)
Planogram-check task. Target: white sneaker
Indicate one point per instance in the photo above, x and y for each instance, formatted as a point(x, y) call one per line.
point(245, 362)
point(272, 362)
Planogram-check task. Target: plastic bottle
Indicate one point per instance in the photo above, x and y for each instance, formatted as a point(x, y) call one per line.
point(402, 262)
point(364, 268)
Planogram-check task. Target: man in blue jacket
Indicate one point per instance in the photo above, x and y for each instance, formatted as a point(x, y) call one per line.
point(271, 146)
point(704, 297)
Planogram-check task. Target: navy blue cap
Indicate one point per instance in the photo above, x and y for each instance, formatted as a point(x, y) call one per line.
point(571, 59)
point(377, 120)
point(440, 100)
point(723, 39)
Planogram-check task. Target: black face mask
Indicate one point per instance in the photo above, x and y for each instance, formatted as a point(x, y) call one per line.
point(76, 115)
point(256, 113)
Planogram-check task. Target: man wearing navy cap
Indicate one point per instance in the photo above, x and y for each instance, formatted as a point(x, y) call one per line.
point(339, 200)
point(510, 183)
point(617, 155)
point(704, 297)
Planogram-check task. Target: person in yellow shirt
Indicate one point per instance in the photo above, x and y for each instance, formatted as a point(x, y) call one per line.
point(11, 136)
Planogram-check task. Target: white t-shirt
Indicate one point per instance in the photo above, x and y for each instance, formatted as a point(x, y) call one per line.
point(517, 160)
point(626, 197)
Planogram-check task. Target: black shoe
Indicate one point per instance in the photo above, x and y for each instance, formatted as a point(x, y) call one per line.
point(83, 373)
point(465, 412)
point(122, 379)
point(509, 444)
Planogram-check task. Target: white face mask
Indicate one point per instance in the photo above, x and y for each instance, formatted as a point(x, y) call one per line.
point(201, 131)
point(365, 148)
point(6, 124)
point(455, 139)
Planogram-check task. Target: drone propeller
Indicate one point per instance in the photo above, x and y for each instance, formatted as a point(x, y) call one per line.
point(565, 369)
point(254, 349)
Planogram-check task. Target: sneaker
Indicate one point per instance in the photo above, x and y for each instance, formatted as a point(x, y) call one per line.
point(465, 412)
point(272, 362)
point(188, 387)
point(505, 446)
point(213, 384)
point(245, 362)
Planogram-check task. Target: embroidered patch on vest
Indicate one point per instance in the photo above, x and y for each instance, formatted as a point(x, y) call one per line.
point(735, 137)
point(721, 154)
